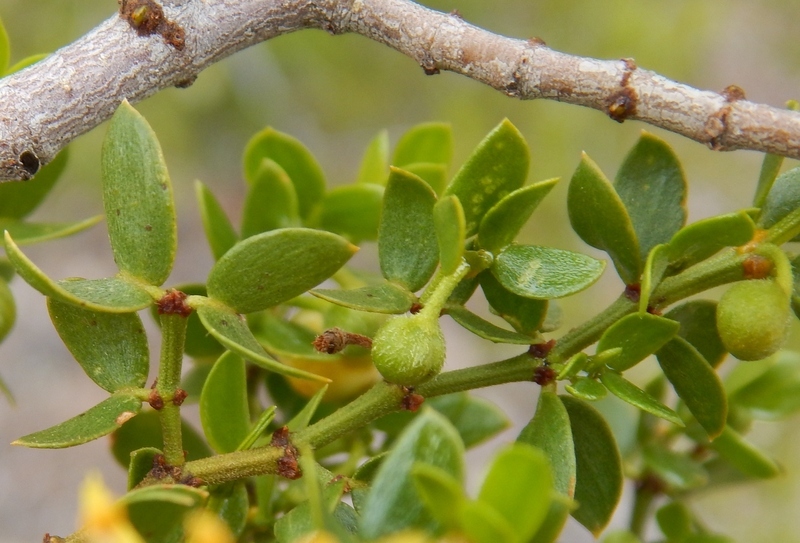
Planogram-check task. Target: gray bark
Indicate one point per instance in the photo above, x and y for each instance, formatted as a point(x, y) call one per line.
point(45, 106)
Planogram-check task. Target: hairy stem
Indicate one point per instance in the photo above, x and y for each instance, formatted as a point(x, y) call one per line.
point(173, 334)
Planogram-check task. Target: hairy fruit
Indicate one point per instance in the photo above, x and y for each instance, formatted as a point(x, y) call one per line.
point(752, 319)
point(409, 350)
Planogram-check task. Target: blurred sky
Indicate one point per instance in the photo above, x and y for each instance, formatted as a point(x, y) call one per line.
point(334, 93)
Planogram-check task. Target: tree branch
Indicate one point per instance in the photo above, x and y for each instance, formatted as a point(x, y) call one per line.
point(140, 51)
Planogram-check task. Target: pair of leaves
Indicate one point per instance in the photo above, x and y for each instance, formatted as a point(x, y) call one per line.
point(585, 461)
point(643, 208)
point(410, 227)
point(140, 213)
point(112, 350)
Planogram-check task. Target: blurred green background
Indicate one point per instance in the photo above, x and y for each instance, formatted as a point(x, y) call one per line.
point(334, 93)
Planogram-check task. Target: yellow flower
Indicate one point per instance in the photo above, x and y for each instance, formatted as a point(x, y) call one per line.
point(205, 527)
point(103, 519)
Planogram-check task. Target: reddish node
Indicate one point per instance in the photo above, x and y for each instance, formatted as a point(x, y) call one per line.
point(173, 303)
point(288, 467)
point(757, 267)
point(541, 350)
point(280, 438)
point(411, 401)
point(415, 308)
point(543, 375)
point(155, 400)
point(179, 397)
point(733, 93)
point(633, 292)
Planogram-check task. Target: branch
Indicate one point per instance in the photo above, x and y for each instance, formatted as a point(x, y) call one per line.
point(142, 50)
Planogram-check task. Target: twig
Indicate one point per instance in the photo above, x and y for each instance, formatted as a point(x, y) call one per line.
point(47, 105)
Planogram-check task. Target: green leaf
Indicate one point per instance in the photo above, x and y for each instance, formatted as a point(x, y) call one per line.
point(628, 392)
point(139, 463)
point(224, 409)
point(770, 168)
point(505, 219)
point(137, 195)
point(525, 315)
point(426, 142)
point(7, 271)
point(271, 202)
point(296, 160)
point(441, 492)
point(698, 320)
point(448, 219)
point(519, 487)
point(298, 522)
point(497, 166)
point(549, 430)
point(233, 506)
point(435, 175)
point(111, 348)
point(231, 330)
point(383, 298)
point(375, 163)
point(485, 525)
point(157, 512)
point(638, 336)
point(743, 455)
point(302, 419)
point(675, 520)
point(393, 503)
point(599, 217)
point(5, 50)
point(654, 269)
point(696, 383)
point(475, 419)
point(267, 269)
point(100, 420)
point(678, 470)
point(285, 338)
point(112, 295)
point(258, 429)
point(651, 185)
point(485, 329)
point(26, 233)
point(587, 389)
point(219, 230)
point(144, 431)
point(353, 211)
point(707, 237)
point(775, 394)
point(8, 309)
point(407, 246)
point(18, 200)
point(538, 272)
point(598, 466)
point(783, 198)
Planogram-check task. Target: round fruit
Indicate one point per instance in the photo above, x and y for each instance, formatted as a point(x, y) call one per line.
point(753, 318)
point(409, 350)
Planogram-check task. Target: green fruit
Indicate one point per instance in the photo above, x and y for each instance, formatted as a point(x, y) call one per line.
point(409, 350)
point(753, 318)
